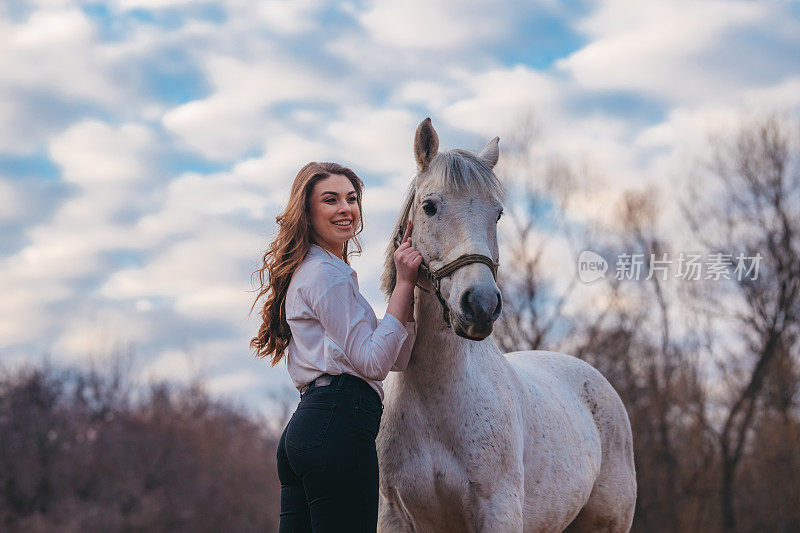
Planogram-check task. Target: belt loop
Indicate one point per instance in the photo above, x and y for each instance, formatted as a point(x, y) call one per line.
point(340, 382)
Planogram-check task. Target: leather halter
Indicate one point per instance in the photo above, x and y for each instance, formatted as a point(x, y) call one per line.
point(436, 276)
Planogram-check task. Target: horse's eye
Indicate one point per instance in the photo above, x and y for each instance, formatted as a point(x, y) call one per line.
point(429, 208)
point(499, 215)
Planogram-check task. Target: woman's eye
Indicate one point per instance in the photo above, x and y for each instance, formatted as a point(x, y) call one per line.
point(329, 200)
point(429, 208)
point(351, 200)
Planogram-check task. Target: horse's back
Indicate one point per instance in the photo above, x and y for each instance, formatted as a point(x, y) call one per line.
point(567, 369)
point(614, 493)
point(579, 379)
point(574, 378)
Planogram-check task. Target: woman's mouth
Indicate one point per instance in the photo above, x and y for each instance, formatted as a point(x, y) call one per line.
point(343, 223)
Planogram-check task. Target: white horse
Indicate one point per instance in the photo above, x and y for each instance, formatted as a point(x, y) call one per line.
point(472, 439)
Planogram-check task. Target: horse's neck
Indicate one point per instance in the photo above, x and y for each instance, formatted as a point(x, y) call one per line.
point(438, 352)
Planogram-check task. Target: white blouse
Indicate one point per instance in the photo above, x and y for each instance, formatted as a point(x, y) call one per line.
point(334, 329)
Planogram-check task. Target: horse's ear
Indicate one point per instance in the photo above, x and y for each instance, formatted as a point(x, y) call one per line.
point(426, 144)
point(491, 152)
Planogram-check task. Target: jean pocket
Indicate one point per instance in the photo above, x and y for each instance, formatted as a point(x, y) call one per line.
point(308, 425)
point(367, 416)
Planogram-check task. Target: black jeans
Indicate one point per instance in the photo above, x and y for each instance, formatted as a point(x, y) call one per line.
point(327, 463)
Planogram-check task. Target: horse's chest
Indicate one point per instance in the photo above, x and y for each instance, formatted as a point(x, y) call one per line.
point(431, 479)
point(438, 464)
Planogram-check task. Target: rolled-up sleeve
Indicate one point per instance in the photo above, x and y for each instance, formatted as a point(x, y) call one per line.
point(370, 352)
point(405, 351)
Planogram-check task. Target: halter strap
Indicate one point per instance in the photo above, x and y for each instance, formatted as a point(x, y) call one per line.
point(464, 260)
point(436, 276)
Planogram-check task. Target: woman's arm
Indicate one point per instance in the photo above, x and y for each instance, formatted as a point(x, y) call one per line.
point(407, 260)
point(400, 302)
point(370, 352)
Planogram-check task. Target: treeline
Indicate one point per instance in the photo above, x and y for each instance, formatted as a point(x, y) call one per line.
point(82, 451)
point(707, 363)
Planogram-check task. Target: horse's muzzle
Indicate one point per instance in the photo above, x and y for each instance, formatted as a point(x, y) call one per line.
point(467, 330)
point(479, 308)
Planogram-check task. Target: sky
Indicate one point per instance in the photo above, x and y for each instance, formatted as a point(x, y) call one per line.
point(146, 146)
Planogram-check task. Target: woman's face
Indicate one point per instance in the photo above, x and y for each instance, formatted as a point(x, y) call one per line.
point(334, 211)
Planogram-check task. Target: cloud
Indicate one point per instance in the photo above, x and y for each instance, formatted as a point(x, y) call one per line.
point(11, 204)
point(497, 98)
point(50, 53)
point(686, 127)
point(171, 365)
point(233, 382)
point(250, 192)
point(288, 17)
point(203, 276)
point(94, 328)
point(429, 93)
point(61, 64)
point(93, 154)
point(375, 139)
point(237, 117)
point(284, 17)
point(421, 25)
point(157, 4)
point(653, 48)
point(782, 96)
point(106, 166)
point(171, 131)
point(393, 42)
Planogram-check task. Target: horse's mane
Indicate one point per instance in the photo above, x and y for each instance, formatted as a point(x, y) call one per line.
point(450, 172)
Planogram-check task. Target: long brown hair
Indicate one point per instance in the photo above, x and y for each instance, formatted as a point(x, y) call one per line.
point(286, 253)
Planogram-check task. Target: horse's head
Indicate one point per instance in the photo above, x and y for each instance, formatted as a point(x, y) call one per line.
point(455, 202)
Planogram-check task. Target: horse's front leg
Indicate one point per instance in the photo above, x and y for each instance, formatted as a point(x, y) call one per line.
point(391, 518)
point(498, 510)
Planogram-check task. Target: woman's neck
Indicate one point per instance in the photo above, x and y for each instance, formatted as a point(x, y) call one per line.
point(331, 250)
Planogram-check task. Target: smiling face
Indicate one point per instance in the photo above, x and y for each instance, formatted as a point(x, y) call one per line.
point(335, 212)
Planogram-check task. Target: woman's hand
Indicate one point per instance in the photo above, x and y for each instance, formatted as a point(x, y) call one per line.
point(407, 259)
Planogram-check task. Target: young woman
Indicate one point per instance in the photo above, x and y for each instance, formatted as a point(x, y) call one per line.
point(336, 351)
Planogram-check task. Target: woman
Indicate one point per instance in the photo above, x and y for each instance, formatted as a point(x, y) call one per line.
point(336, 351)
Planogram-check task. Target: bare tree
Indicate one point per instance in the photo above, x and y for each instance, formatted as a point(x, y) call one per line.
point(77, 453)
point(653, 339)
point(755, 211)
point(537, 189)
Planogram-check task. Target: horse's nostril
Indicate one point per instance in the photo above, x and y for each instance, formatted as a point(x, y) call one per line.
point(498, 309)
point(466, 306)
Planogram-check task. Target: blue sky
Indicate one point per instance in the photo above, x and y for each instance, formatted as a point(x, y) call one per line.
point(147, 145)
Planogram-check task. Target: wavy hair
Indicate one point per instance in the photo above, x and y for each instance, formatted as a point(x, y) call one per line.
point(287, 251)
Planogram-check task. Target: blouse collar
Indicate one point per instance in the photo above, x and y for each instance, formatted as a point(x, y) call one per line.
point(319, 251)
